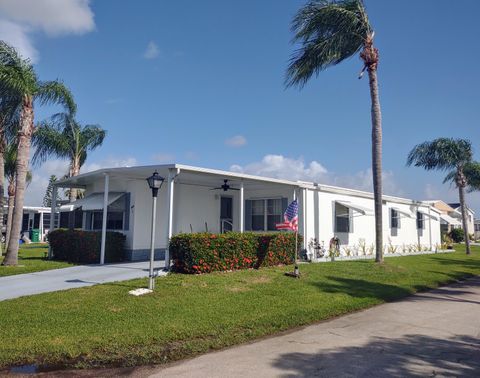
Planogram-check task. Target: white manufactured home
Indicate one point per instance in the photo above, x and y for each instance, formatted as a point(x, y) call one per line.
point(194, 199)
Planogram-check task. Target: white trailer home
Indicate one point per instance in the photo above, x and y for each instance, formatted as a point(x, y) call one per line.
point(194, 199)
point(34, 218)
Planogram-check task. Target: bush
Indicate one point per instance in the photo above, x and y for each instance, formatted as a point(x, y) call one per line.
point(457, 235)
point(78, 246)
point(207, 252)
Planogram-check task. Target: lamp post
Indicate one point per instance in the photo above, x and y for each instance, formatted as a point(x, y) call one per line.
point(155, 182)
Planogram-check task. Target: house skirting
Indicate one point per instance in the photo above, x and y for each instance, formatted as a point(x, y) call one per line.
point(144, 254)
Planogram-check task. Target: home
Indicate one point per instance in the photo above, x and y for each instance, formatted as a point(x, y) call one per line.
point(35, 222)
point(194, 199)
point(470, 216)
point(477, 229)
point(450, 218)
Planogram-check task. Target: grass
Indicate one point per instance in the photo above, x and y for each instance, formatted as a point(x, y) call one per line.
point(189, 315)
point(31, 258)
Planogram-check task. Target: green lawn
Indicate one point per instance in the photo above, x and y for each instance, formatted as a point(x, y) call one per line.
point(188, 315)
point(31, 258)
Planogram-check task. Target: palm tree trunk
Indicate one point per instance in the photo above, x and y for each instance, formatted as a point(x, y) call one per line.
point(370, 58)
point(74, 171)
point(463, 207)
point(11, 203)
point(23, 153)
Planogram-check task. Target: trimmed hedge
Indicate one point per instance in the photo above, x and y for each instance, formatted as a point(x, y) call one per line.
point(457, 235)
point(78, 246)
point(207, 252)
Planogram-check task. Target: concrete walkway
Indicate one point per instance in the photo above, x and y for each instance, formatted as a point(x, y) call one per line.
point(20, 285)
point(431, 334)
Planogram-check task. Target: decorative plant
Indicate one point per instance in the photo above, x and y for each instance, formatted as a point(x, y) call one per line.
point(371, 249)
point(348, 251)
point(391, 248)
point(362, 246)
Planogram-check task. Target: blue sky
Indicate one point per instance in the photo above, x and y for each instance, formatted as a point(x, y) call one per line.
point(201, 83)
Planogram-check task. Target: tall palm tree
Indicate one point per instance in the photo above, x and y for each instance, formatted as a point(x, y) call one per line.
point(64, 137)
point(18, 79)
point(10, 170)
point(330, 31)
point(453, 156)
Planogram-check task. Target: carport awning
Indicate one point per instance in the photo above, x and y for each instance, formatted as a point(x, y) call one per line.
point(402, 212)
point(445, 218)
point(428, 215)
point(91, 202)
point(359, 209)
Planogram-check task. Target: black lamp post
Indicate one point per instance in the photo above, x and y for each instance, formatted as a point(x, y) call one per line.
point(155, 182)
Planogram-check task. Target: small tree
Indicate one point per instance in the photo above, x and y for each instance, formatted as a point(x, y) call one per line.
point(47, 199)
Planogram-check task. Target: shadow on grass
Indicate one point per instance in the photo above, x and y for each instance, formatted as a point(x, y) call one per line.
point(408, 356)
point(362, 289)
point(367, 289)
point(460, 263)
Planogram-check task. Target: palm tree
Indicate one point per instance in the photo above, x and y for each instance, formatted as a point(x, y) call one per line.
point(329, 32)
point(10, 167)
point(453, 156)
point(18, 79)
point(64, 137)
point(9, 110)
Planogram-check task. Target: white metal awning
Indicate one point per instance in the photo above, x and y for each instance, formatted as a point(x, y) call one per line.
point(358, 208)
point(403, 212)
point(91, 202)
point(428, 215)
point(447, 219)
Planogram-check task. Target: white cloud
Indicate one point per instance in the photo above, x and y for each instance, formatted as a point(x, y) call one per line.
point(152, 51)
point(110, 162)
point(20, 19)
point(281, 167)
point(278, 166)
point(17, 36)
point(236, 141)
point(163, 158)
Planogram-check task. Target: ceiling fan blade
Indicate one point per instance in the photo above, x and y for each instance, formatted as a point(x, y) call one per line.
point(233, 189)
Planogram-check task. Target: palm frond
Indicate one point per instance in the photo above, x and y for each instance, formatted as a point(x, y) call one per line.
point(442, 154)
point(51, 92)
point(472, 173)
point(49, 140)
point(329, 32)
point(17, 76)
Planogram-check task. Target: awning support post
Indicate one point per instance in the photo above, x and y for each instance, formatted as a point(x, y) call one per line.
point(104, 219)
point(52, 217)
point(172, 173)
point(241, 221)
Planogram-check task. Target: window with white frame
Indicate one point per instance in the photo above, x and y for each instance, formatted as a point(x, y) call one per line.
point(343, 219)
point(394, 218)
point(264, 214)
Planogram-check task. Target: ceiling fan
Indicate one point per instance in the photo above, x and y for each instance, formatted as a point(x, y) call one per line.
point(224, 187)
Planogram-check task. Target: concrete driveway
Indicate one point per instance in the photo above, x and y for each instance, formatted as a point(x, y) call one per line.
point(430, 334)
point(69, 278)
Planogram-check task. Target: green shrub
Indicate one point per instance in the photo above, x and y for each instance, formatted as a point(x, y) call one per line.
point(457, 235)
point(207, 252)
point(83, 247)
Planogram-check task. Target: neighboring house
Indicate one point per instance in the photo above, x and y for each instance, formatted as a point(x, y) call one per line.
point(449, 217)
point(192, 200)
point(477, 229)
point(34, 218)
point(470, 216)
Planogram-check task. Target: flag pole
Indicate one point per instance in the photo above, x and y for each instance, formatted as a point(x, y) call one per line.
point(296, 272)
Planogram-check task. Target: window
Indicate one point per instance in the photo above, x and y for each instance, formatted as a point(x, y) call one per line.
point(394, 219)
point(114, 220)
point(343, 220)
point(420, 221)
point(477, 227)
point(264, 214)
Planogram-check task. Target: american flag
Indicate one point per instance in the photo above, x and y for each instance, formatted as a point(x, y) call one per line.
point(290, 218)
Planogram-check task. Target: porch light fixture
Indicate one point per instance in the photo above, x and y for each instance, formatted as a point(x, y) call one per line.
point(155, 182)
